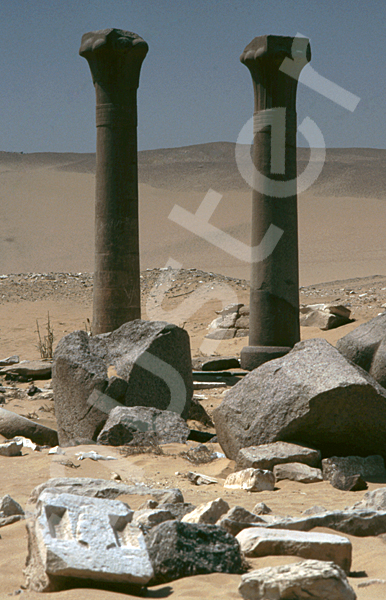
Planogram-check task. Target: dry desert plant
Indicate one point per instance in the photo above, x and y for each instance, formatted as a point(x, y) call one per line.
point(45, 345)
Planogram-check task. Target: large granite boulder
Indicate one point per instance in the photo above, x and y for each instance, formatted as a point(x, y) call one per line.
point(311, 396)
point(143, 363)
point(366, 347)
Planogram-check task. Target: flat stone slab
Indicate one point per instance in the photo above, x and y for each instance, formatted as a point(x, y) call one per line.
point(297, 472)
point(251, 480)
point(10, 360)
point(260, 541)
point(102, 488)
point(304, 580)
point(266, 456)
point(37, 369)
point(72, 536)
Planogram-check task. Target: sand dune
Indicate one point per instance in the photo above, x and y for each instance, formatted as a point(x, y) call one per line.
point(47, 206)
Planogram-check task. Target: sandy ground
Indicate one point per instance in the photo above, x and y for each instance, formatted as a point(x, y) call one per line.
point(46, 226)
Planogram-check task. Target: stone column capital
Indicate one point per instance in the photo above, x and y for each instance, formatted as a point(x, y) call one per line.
point(115, 58)
point(275, 63)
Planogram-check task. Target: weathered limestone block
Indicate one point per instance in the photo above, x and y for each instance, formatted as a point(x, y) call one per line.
point(123, 421)
point(11, 449)
point(208, 513)
point(72, 536)
point(251, 480)
point(313, 396)
point(297, 472)
point(184, 549)
point(143, 363)
point(374, 500)
point(304, 580)
point(324, 316)
point(148, 518)
point(266, 456)
point(260, 541)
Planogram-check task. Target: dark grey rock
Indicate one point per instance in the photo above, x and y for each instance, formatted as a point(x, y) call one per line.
point(184, 549)
point(123, 421)
point(313, 396)
point(11, 360)
point(371, 468)
point(142, 363)
point(198, 413)
point(9, 507)
point(12, 425)
point(366, 347)
point(266, 456)
point(221, 364)
point(348, 483)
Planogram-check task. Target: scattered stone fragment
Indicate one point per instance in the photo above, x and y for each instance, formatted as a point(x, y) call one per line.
point(207, 513)
point(366, 347)
point(72, 536)
point(348, 483)
point(12, 425)
point(324, 316)
point(251, 480)
point(371, 468)
point(198, 413)
point(11, 360)
point(199, 478)
point(148, 518)
point(237, 519)
point(297, 472)
point(266, 456)
point(179, 549)
point(261, 509)
point(200, 455)
point(260, 541)
point(94, 456)
point(143, 363)
point(312, 395)
point(304, 580)
point(123, 421)
point(363, 584)
point(37, 369)
point(10, 511)
point(374, 500)
point(314, 510)
point(220, 364)
point(32, 390)
point(11, 448)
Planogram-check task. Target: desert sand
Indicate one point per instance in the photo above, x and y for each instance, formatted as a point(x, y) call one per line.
point(46, 231)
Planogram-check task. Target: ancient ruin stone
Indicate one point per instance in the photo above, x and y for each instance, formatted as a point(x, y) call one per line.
point(184, 549)
point(123, 421)
point(153, 359)
point(237, 519)
point(251, 480)
point(207, 513)
point(303, 580)
point(77, 537)
point(366, 347)
point(266, 456)
point(12, 425)
point(260, 541)
point(313, 396)
point(297, 472)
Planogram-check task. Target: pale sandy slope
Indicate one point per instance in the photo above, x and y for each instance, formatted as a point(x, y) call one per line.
point(47, 206)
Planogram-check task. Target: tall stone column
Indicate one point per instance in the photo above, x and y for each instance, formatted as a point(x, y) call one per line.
point(274, 293)
point(115, 58)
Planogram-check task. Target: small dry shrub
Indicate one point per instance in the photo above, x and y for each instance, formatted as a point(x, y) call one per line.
point(45, 345)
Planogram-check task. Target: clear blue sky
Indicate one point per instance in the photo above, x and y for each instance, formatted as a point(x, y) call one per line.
point(193, 89)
